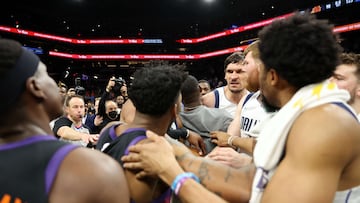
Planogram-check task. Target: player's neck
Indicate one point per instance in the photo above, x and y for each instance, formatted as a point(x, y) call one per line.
point(233, 96)
point(158, 125)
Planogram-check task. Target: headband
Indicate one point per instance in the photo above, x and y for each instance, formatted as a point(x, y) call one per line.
point(12, 84)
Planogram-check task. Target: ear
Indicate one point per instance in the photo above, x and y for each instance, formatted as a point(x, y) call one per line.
point(174, 111)
point(33, 87)
point(357, 90)
point(273, 77)
point(66, 110)
point(276, 80)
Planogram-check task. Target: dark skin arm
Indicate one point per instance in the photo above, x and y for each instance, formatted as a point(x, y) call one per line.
point(155, 159)
point(234, 185)
point(104, 182)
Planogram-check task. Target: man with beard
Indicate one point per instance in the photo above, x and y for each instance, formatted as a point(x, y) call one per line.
point(227, 97)
point(241, 134)
point(295, 155)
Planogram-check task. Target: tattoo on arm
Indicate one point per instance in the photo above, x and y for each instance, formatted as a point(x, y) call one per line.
point(228, 174)
point(182, 157)
point(203, 171)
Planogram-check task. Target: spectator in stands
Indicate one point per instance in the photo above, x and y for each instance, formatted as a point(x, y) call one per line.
point(204, 87)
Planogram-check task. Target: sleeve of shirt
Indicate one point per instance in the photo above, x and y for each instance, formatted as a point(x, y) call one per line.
point(63, 121)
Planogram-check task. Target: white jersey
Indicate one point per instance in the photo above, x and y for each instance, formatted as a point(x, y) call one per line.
point(348, 196)
point(222, 102)
point(252, 113)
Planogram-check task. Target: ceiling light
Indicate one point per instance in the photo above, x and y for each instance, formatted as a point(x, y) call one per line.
point(208, 1)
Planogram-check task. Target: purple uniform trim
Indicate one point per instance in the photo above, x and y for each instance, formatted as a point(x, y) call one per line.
point(54, 164)
point(134, 142)
point(112, 132)
point(129, 130)
point(27, 141)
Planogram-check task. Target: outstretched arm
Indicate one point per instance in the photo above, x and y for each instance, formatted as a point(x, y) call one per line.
point(235, 125)
point(234, 185)
point(223, 139)
point(208, 99)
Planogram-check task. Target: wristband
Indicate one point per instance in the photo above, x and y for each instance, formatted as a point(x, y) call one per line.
point(187, 133)
point(180, 179)
point(230, 140)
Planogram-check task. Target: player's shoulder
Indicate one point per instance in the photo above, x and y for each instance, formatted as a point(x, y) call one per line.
point(328, 124)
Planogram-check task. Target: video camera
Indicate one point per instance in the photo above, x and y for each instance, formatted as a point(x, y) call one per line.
point(119, 82)
point(79, 90)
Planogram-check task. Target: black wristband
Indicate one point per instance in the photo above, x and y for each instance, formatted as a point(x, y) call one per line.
point(178, 133)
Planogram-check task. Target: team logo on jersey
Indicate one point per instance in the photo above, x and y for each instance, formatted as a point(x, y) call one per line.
point(6, 198)
point(248, 123)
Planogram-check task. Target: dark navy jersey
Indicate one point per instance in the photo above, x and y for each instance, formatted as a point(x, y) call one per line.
point(29, 167)
point(117, 146)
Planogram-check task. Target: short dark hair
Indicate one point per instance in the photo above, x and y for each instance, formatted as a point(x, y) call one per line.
point(351, 59)
point(301, 48)
point(235, 57)
point(204, 81)
point(155, 89)
point(68, 98)
point(190, 89)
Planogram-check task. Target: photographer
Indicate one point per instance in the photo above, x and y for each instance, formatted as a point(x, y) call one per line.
point(108, 108)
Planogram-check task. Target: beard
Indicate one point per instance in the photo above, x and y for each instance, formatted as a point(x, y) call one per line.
point(267, 106)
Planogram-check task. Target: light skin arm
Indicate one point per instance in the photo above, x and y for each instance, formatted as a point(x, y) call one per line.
point(230, 157)
point(233, 185)
point(244, 143)
point(235, 126)
point(316, 157)
point(208, 99)
point(68, 133)
point(234, 129)
point(104, 182)
point(157, 158)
